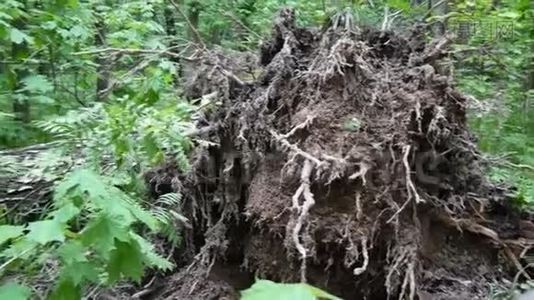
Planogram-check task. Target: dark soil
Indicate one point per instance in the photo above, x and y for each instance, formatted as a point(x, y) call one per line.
point(347, 164)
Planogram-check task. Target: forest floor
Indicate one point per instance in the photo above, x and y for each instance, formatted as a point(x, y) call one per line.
point(347, 163)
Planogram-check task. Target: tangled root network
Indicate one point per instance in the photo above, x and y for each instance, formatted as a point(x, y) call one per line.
point(347, 163)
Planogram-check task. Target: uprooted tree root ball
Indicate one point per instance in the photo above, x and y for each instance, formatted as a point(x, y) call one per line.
point(347, 164)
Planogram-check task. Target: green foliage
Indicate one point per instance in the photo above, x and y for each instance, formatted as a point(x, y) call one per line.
point(511, 291)
point(498, 70)
point(267, 290)
point(136, 135)
point(91, 233)
point(14, 291)
point(166, 210)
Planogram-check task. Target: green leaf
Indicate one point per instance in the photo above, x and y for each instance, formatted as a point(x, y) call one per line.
point(66, 290)
point(268, 290)
point(150, 254)
point(101, 233)
point(72, 252)
point(20, 248)
point(509, 14)
point(399, 4)
point(46, 231)
point(126, 261)
point(87, 184)
point(317, 292)
point(50, 25)
point(352, 124)
point(80, 272)
point(14, 291)
point(65, 213)
point(8, 232)
point(18, 36)
point(71, 3)
point(41, 99)
point(37, 84)
point(79, 31)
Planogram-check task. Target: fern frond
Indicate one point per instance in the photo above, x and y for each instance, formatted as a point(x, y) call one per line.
point(170, 199)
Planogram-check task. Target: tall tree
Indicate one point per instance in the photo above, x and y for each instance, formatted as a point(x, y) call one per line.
point(103, 69)
point(20, 52)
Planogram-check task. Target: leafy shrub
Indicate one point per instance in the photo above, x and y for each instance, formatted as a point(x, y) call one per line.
point(92, 233)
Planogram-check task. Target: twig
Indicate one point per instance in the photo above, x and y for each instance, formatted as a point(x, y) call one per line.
point(146, 289)
point(132, 51)
point(193, 29)
point(238, 22)
point(389, 18)
point(230, 75)
point(520, 166)
point(139, 67)
point(14, 258)
point(431, 9)
point(143, 64)
point(385, 21)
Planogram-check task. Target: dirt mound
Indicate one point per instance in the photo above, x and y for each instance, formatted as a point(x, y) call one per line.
point(347, 164)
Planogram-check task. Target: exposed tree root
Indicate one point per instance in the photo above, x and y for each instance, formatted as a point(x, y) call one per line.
point(346, 164)
point(302, 210)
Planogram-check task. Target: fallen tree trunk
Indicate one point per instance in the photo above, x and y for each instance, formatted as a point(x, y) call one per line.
point(27, 177)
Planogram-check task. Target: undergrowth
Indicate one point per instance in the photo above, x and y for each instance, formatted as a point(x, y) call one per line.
point(92, 236)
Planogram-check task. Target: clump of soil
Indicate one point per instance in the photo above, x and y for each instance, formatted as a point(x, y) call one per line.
point(347, 164)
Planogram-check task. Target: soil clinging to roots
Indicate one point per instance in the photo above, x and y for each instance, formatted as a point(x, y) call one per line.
point(347, 164)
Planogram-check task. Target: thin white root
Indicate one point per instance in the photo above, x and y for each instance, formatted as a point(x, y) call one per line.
point(410, 187)
point(309, 201)
point(408, 282)
point(404, 262)
point(302, 125)
point(365, 253)
point(361, 173)
point(358, 203)
point(295, 149)
point(418, 116)
point(295, 198)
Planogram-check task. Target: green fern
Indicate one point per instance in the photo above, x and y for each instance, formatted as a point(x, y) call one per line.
point(133, 134)
point(167, 210)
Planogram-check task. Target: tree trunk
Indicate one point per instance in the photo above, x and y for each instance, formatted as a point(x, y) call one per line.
point(170, 30)
point(19, 52)
point(193, 14)
point(102, 70)
point(440, 8)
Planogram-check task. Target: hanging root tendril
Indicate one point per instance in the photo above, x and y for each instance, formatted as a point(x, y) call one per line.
point(309, 201)
point(365, 253)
